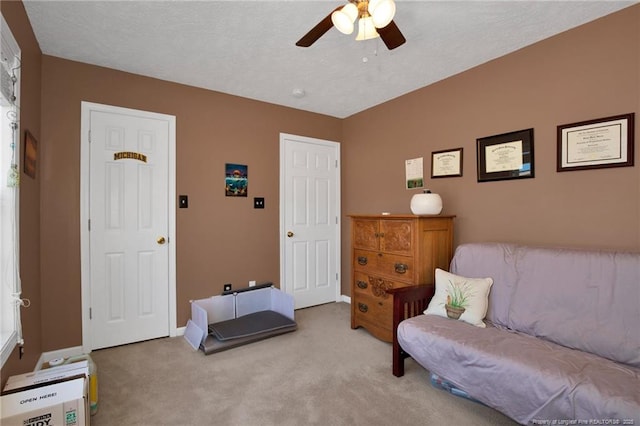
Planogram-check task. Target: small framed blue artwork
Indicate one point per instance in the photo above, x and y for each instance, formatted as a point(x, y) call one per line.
point(236, 181)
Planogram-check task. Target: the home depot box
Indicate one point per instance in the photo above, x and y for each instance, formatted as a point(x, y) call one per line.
point(62, 403)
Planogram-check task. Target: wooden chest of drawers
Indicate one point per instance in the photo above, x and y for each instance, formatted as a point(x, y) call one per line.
point(392, 251)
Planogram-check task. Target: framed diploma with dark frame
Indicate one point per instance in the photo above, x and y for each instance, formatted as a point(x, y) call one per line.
point(595, 144)
point(446, 163)
point(505, 156)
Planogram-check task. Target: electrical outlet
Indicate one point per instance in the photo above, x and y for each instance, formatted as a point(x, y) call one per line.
point(258, 203)
point(227, 287)
point(252, 283)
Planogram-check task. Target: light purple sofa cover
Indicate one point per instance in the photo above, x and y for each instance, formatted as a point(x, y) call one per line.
point(562, 340)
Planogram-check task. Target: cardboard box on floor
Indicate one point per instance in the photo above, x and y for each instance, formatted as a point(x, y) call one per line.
point(61, 403)
point(48, 375)
point(72, 362)
point(58, 397)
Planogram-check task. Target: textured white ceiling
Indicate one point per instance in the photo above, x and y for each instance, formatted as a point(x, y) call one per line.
point(247, 48)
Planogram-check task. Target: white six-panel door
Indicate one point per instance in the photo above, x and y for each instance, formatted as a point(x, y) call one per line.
point(129, 232)
point(310, 225)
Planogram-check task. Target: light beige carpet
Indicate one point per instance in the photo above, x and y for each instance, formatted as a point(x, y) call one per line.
point(324, 373)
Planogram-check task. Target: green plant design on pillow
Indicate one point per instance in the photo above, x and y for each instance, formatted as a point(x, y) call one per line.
point(458, 295)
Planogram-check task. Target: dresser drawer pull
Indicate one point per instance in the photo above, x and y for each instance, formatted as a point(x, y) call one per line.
point(362, 284)
point(363, 308)
point(362, 260)
point(401, 268)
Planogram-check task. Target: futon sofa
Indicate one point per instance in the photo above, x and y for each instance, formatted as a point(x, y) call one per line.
point(560, 343)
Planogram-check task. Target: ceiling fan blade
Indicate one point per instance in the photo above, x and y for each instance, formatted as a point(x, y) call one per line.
point(318, 31)
point(391, 36)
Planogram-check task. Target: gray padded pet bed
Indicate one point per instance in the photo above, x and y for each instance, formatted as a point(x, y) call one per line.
point(246, 329)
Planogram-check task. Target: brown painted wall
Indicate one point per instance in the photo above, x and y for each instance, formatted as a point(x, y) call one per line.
point(15, 15)
point(590, 72)
point(219, 239)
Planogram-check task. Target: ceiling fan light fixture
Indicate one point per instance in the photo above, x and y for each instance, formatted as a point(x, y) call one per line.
point(382, 12)
point(366, 29)
point(344, 18)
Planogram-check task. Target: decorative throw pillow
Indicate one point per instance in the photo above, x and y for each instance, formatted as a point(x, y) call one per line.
point(472, 294)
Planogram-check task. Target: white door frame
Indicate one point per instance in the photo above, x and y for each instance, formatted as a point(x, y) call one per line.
point(85, 272)
point(284, 286)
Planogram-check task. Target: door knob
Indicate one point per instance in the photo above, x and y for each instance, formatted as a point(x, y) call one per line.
point(289, 234)
point(161, 240)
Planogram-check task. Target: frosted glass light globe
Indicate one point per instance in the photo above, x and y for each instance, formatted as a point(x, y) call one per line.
point(366, 29)
point(344, 18)
point(382, 12)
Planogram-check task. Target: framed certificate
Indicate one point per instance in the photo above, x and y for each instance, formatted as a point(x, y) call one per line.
point(447, 163)
point(505, 156)
point(593, 144)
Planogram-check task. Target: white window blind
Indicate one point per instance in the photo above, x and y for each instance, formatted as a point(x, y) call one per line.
point(10, 299)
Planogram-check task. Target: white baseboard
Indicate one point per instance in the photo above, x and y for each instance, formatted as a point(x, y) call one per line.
point(60, 353)
point(346, 299)
point(180, 331)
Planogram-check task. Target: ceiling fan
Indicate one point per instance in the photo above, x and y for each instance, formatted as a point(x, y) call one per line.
point(375, 19)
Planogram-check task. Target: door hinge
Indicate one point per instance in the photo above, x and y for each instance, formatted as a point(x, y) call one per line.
point(336, 164)
point(90, 314)
point(89, 136)
point(337, 278)
point(89, 224)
